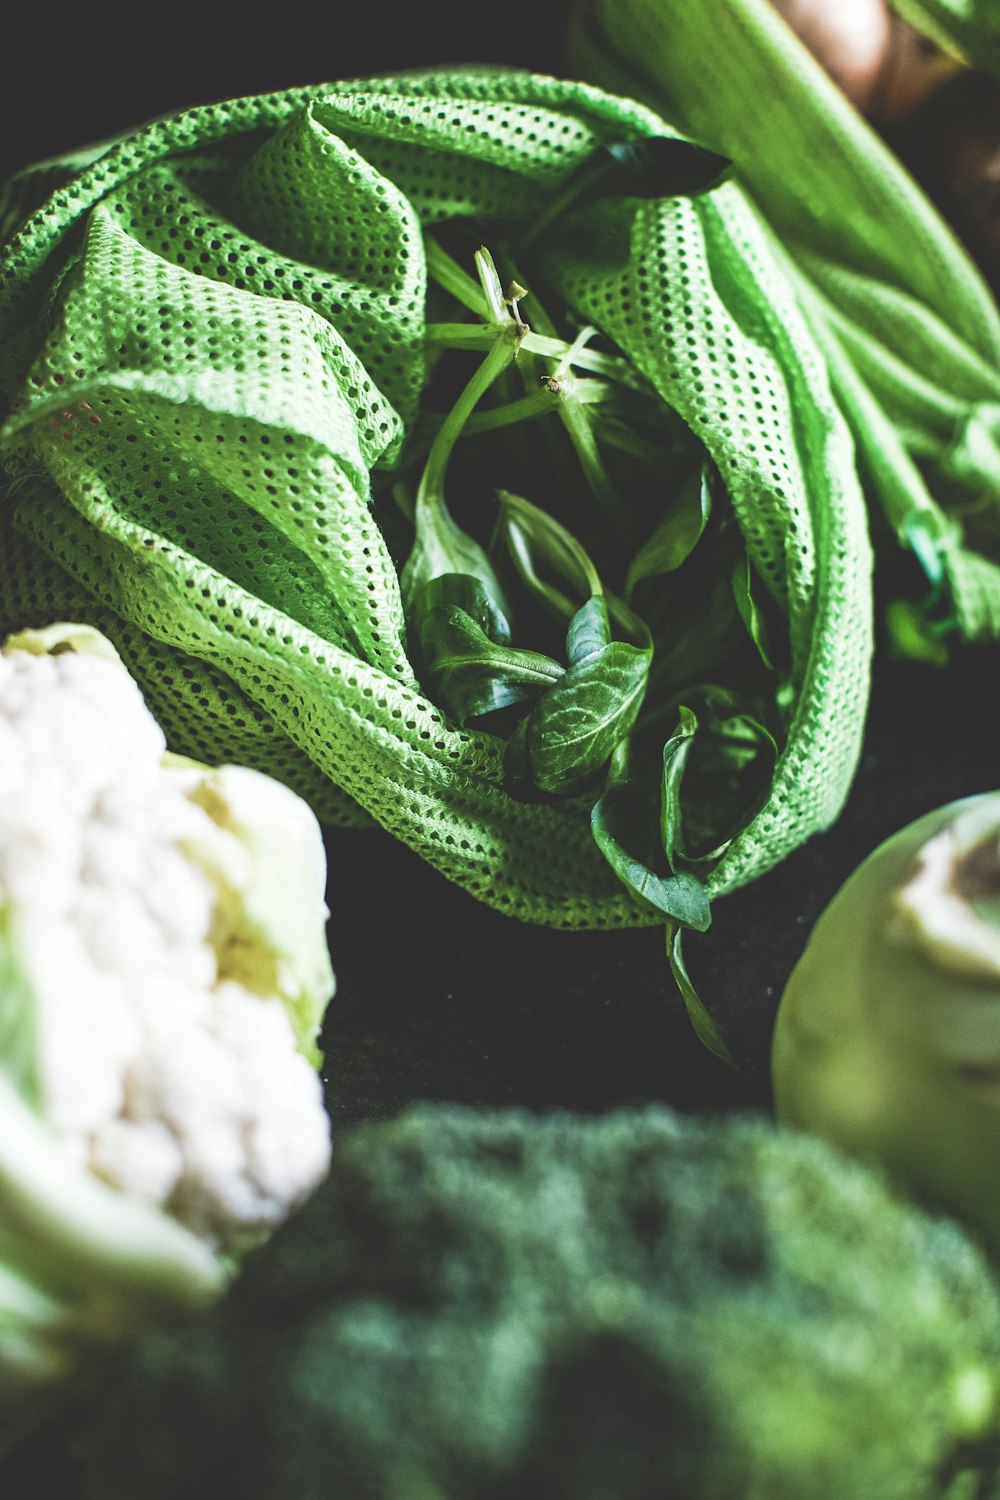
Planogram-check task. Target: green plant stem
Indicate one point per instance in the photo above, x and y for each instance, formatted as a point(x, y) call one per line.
point(481, 335)
point(450, 276)
point(503, 351)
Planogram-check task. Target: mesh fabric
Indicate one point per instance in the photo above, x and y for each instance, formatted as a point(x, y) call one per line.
point(212, 336)
point(908, 327)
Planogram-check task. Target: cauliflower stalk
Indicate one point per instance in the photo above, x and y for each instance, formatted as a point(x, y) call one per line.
point(163, 975)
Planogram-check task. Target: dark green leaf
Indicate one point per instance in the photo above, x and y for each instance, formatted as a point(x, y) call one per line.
point(658, 166)
point(732, 736)
point(705, 1028)
point(744, 582)
point(471, 690)
point(675, 758)
point(576, 725)
point(537, 542)
point(470, 675)
point(626, 829)
point(518, 780)
point(676, 536)
point(589, 630)
point(440, 546)
point(472, 595)
point(727, 767)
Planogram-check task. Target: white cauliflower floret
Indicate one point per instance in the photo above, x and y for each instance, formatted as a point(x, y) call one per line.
point(170, 926)
point(234, 1162)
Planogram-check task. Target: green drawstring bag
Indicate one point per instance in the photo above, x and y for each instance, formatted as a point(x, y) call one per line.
point(230, 343)
point(909, 330)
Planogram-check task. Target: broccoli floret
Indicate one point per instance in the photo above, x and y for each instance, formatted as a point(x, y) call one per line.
point(642, 1306)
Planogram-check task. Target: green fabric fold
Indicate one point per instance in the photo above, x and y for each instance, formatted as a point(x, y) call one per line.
point(213, 339)
point(909, 329)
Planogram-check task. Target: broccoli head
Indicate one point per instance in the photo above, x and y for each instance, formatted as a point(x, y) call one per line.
point(495, 1305)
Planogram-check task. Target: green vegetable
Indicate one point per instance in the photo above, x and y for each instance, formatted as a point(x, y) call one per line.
point(662, 705)
point(260, 454)
point(969, 29)
point(493, 1304)
point(908, 329)
point(163, 975)
point(470, 667)
point(887, 1039)
point(459, 607)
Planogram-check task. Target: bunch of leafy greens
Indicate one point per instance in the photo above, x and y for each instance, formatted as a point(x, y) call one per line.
point(545, 620)
point(599, 665)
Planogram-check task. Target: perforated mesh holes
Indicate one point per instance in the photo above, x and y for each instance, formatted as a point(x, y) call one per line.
point(230, 342)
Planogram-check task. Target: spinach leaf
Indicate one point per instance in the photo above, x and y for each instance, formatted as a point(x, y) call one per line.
point(440, 547)
point(589, 630)
point(626, 829)
point(464, 644)
point(657, 166)
point(716, 768)
point(676, 753)
point(538, 543)
point(576, 724)
point(749, 608)
point(470, 593)
point(676, 535)
point(698, 1014)
point(539, 546)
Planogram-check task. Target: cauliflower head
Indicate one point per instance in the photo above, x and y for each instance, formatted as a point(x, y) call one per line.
point(164, 971)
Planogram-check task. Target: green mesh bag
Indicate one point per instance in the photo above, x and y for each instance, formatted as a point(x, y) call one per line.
point(909, 329)
point(215, 347)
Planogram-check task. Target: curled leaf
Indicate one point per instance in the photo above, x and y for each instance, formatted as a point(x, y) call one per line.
point(705, 1027)
point(576, 725)
point(658, 166)
point(626, 829)
point(675, 537)
point(538, 545)
point(589, 630)
point(468, 661)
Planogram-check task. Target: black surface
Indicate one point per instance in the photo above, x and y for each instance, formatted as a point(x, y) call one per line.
point(82, 73)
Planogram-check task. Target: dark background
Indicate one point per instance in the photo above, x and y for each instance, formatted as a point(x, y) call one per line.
point(78, 73)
